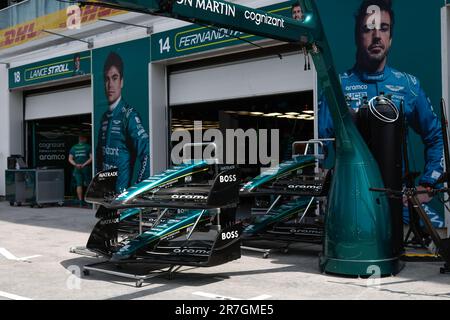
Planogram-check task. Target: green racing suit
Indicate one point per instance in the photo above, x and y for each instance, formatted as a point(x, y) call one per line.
point(122, 139)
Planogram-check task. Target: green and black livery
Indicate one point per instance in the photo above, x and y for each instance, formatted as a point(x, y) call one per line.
point(183, 216)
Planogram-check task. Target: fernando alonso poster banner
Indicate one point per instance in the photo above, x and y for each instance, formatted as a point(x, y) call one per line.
point(121, 111)
point(377, 54)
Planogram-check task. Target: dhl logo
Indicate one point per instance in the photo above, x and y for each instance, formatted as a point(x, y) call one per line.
point(19, 34)
point(92, 13)
point(32, 30)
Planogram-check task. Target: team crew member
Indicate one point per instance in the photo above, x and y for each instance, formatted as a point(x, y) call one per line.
point(122, 138)
point(80, 157)
point(371, 76)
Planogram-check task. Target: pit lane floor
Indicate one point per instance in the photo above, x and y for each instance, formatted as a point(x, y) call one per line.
point(35, 263)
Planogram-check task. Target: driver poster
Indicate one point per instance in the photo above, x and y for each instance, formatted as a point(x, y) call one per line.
point(121, 111)
point(376, 53)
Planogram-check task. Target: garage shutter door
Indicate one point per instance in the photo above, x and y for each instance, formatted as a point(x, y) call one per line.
point(58, 104)
point(259, 77)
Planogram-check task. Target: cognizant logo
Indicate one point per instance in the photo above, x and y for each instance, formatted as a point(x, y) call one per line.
point(263, 18)
point(51, 145)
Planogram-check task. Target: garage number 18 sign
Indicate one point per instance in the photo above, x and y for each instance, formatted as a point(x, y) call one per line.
point(74, 65)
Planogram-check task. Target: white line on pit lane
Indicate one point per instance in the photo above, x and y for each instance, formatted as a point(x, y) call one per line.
point(219, 297)
point(12, 296)
point(8, 255)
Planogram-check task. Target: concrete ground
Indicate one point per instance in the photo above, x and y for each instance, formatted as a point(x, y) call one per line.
point(35, 263)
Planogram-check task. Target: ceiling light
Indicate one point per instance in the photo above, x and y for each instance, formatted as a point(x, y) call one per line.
point(308, 110)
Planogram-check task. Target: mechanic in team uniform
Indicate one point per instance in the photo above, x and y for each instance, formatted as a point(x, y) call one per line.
point(122, 138)
point(80, 157)
point(371, 77)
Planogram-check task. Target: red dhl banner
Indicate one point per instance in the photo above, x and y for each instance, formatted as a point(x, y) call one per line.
point(57, 21)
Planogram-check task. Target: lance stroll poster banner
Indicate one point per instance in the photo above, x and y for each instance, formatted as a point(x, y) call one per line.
point(374, 55)
point(121, 111)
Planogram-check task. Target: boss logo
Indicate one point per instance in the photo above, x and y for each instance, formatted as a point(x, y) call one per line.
point(228, 178)
point(230, 235)
point(189, 197)
point(108, 174)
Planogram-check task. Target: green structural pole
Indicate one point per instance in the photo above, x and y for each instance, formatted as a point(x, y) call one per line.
point(358, 236)
point(358, 231)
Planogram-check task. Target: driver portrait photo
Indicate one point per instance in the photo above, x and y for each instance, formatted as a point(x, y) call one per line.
point(123, 142)
point(372, 76)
